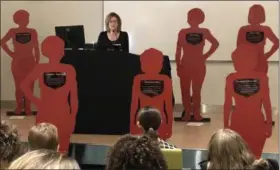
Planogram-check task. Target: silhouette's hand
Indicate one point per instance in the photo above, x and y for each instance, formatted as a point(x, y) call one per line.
point(206, 56)
point(12, 54)
point(268, 127)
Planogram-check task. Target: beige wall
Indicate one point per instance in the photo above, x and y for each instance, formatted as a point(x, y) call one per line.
point(90, 14)
point(44, 16)
point(214, 84)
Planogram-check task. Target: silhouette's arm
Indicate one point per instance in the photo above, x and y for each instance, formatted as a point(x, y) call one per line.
point(178, 54)
point(228, 101)
point(239, 37)
point(4, 41)
point(135, 98)
point(266, 100)
point(26, 84)
point(168, 100)
point(36, 47)
point(73, 93)
point(272, 37)
point(214, 44)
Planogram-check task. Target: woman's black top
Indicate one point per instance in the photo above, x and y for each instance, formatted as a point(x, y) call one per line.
point(121, 44)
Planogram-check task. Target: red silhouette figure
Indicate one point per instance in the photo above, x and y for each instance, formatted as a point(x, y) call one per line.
point(24, 56)
point(56, 82)
point(250, 91)
point(257, 34)
point(152, 89)
point(191, 66)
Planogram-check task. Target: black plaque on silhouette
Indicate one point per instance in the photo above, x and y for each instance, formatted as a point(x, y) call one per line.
point(152, 88)
point(23, 38)
point(194, 38)
point(255, 37)
point(246, 87)
point(55, 80)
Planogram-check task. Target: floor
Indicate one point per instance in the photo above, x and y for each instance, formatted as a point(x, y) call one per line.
point(184, 136)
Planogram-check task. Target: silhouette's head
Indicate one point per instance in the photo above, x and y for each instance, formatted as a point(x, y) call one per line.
point(245, 58)
point(228, 150)
point(21, 18)
point(53, 48)
point(151, 61)
point(256, 15)
point(195, 17)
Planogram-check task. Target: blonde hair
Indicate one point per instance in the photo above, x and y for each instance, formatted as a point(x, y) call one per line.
point(44, 159)
point(227, 150)
point(43, 136)
point(119, 20)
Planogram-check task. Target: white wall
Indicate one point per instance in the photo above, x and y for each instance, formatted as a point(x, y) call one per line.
point(44, 16)
point(157, 23)
point(47, 14)
point(214, 84)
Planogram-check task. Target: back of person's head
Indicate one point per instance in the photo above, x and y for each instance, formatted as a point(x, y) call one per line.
point(138, 154)
point(262, 164)
point(118, 151)
point(43, 136)
point(9, 142)
point(227, 150)
point(150, 120)
point(44, 159)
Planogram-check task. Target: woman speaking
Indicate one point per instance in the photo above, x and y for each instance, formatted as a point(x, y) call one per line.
point(113, 38)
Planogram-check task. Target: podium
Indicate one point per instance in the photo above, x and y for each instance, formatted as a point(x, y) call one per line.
point(105, 82)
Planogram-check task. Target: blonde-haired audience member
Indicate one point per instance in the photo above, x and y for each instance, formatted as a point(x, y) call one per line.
point(10, 146)
point(43, 136)
point(44, 159)
point(228, 150)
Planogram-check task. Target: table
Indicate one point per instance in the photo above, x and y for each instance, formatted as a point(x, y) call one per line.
point(105, 82)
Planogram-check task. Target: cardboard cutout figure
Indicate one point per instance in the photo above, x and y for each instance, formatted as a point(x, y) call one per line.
point(250, 91)
point(257, 34)
point(56, 82)
point(152, 89)
point(191, 67)
point(24, 57)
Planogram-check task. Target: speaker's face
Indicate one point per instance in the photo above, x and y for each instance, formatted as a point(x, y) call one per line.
point(113, 23)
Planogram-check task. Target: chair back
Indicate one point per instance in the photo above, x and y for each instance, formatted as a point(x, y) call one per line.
point(174, 158)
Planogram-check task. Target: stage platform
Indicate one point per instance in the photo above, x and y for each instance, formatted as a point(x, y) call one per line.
point(92, 149)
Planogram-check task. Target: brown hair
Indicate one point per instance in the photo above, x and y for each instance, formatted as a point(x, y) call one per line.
point(228, 150)
point(136, 153)
point(44, 159)
point(43, 136)
point(119, 20)
point(150, 120)
point(9, 142)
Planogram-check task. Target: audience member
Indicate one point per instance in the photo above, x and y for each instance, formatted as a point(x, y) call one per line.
point(10, 147)
point(44, 159)
point(132, 153)
point(43, 136)
point(227, 150)
point(150, 120)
